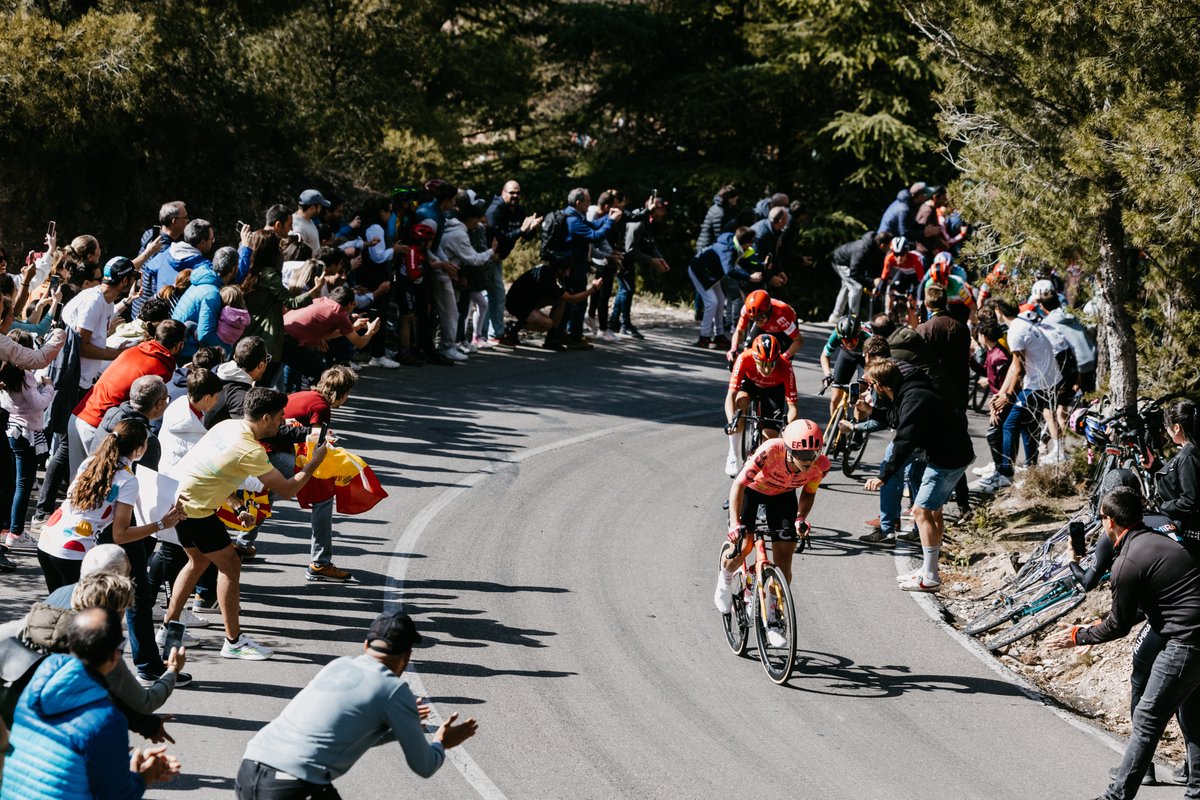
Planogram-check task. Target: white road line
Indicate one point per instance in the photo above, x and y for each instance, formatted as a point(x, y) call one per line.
point(906, 559)
point(459, 757)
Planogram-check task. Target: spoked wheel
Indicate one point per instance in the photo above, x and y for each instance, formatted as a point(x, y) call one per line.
point(746, 444)
point(833, 434)
point(737, 628)
point(854, 449)
point(775, 626)
point(1055, 600)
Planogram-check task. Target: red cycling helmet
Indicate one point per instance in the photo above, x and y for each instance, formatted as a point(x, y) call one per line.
point(423, 232)
point(939, 273)
point(765, 348)
point(758, 303)
point(803, 435)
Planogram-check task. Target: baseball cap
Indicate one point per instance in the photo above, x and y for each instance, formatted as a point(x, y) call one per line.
point(1042, 288)
point(396, 630)
point(917, 188)
point(311, 197)
point(118, 269)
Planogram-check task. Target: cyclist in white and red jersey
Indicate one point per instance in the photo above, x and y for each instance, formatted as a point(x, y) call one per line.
point(760, 373)
point(767, 316)
point(903, 272)
point(770, 479)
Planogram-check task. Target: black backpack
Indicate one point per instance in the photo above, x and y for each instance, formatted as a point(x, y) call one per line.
point(555, 237)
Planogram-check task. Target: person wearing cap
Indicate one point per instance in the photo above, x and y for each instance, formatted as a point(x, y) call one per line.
point(90, 313)
point(900, 218)
point(352, 704)
point(311, 203)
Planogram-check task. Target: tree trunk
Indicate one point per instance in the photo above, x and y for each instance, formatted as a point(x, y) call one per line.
point(1115, 283)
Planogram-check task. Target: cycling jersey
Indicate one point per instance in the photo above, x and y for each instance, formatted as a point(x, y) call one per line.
point(958, 291)
point(909, 270)
point(780, 319)
point(835, 342)
point(744, 369)
point(769, 473)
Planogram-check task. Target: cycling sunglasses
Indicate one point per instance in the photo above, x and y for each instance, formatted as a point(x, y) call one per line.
point(804, 455)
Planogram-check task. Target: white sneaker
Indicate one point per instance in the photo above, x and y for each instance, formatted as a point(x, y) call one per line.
point(919, 583)
point(188, 639)
point(383, 361)
point(909, 576)
point(482, 344)
point(453, 354)
point(731, 466)
point(23, 540)
point(157, 613)
point(607, 336)
point(723, 597)
point(193, 620)
point(246, 649)
point(985, 470)
point(461, 350)
point(468, 347)
point(592, 326)
point(357, 367)
point(991, 484)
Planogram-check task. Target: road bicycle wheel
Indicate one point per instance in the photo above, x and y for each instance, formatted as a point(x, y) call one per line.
point(833, 435)
point(747, 444)
point(853, 453)
point(1055, 600)
point(737, 629)
point(779, 659)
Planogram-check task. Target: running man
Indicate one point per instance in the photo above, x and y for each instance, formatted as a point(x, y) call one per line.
point(846, 342)
point(764, 315)
point(759, 375)
point(770, 479)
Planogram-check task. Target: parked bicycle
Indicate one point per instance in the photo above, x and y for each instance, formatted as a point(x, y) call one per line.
point(761, 594)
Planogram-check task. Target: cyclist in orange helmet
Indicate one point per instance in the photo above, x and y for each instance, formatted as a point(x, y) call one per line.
point(760, 373)
point(770, 479)
point(761, 314)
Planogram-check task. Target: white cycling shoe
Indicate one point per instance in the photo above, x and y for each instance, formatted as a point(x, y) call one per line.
point(731, 466)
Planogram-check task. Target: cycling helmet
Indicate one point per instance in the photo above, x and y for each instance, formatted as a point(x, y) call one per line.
point(939, 273)
point(944, 258)
point(423, 232)
point(899, 245)
point(758, 303)
point(803, 434)
point(848, 327)
point(765, 348)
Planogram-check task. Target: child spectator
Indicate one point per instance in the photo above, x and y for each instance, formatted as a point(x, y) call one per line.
point(25, 398)
point(234, 316)
point(175, 291)
point(994, 368)
point(411, 292)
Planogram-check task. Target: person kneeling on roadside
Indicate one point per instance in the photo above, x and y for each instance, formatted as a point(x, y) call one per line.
point(352, 705)
point(534, 291)
point(1153, 575)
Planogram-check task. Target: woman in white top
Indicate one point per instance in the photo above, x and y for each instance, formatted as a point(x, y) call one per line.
point(25, 398)
point(102, 494)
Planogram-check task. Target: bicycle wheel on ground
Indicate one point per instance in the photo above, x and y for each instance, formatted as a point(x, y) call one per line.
point(747, 444)
point(1056, 599)
point(833, 437)
point(854, 448)
point(737, 628)
point(776, 627)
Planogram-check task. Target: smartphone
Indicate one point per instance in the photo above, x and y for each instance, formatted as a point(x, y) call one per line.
point(52, 228)
point(1078, 547)
point(173, 638)
point(322, 432)
point(54, 279)
point(241, 225)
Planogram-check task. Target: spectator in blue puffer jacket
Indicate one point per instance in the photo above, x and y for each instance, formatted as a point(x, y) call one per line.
point(191, 253)
point(68, 740)
point(900, 218)
point(201, 303)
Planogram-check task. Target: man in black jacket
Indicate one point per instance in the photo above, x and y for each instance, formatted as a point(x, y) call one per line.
point(857, 263)
point(250, 361)
point(507, 224)
point(1152, 575)
point(720, 218)
point(922, 421)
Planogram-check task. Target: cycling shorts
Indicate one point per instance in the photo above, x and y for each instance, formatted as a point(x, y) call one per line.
point(781, 512)
point(405, 293)
point(846, 366)
point(773, 399)
point(782, 338)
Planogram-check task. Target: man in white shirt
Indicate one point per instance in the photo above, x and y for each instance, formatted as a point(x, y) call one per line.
point(1028, 389)
point(90, 312)
point(311, 203)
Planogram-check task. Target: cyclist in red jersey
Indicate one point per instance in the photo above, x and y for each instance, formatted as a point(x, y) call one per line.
point(760, 373)
point(770, 479)
point(770, 316)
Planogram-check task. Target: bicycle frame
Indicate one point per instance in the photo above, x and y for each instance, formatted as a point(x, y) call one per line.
point(761, 562)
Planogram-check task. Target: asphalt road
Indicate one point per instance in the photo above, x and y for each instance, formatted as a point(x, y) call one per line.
point(553, 528)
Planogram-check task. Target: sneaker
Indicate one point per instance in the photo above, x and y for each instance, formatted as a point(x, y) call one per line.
point(1148, 779)
point(246, 552)
point(411, 359)
point(193, 620)
point(383, 361)
point(909, 576)
point(984, 471)
point(592, 326)
point(466, 351)
point(482, 344)
point(200, 605)
point(871, 523)
point(188, 639)
point(468, 347)
point(39, 519)
point(6, 564)
point(722, 342)
point(440, 359)
point(703, 343)
point(20, 540)
point(246, 649)
point(911, 536)
point(354, 365)
point(731, 466)
point(919, 583)
point(147, 679)
point(878, 537)
point(991, 484)
point(158, 612)
point(326, 572)
point(607, 336)
point(723, 597)
point(452, 354)
point(554, 343)
point(507, 341)
point(629, 330)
